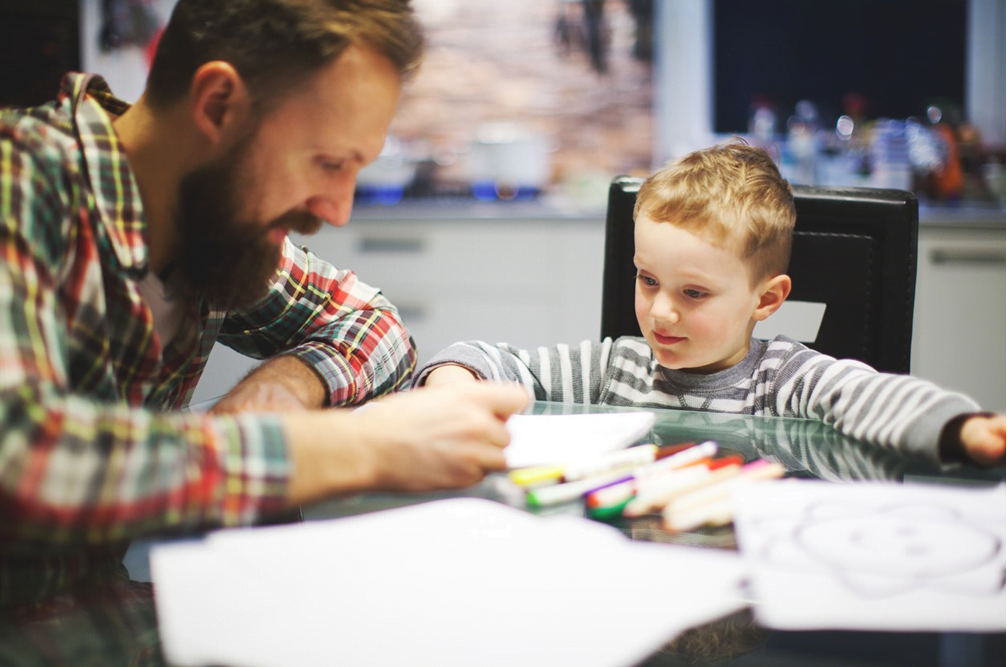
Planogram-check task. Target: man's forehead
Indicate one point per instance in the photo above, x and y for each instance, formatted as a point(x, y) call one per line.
point(351, 99)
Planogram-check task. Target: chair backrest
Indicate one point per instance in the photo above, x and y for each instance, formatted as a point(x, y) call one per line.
point(854, 250)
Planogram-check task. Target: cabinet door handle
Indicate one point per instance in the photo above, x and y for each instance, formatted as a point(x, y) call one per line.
point(379, 244)
point(967, 256)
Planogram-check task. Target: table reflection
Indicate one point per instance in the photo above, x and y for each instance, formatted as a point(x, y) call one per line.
point(85, 608)
point(101, 619)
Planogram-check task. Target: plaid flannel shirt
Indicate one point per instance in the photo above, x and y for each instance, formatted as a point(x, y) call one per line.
point(94, 446)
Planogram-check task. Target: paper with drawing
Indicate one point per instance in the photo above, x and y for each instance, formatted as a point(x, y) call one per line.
point(874, 556)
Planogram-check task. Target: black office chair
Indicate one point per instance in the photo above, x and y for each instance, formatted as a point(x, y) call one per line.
point(854, 250)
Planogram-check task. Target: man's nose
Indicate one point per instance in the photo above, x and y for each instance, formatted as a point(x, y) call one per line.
point(334, 206)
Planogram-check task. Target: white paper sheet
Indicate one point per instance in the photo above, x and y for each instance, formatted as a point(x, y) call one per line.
point(452, 583)
point(874, 556)
point(562, 439)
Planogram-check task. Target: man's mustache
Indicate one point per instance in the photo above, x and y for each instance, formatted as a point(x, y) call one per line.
point(301, 222)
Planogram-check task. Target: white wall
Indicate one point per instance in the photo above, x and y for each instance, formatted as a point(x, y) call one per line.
point(683, 78)
point(985, 73)
point(124, 69)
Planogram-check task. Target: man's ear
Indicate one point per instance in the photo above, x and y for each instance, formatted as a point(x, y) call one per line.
point(218, 100)
point(774, 292)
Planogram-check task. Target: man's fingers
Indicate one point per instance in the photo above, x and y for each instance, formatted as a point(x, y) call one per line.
point(492, 459)
point(497, 434)
point(503, 399)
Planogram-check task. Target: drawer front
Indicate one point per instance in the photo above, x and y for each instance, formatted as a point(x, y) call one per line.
point(465, 258)
point(958, 323)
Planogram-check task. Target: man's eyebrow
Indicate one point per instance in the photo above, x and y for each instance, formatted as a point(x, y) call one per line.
point(352, 154)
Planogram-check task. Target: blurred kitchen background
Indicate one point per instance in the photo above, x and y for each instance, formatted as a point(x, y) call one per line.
point(483, 217)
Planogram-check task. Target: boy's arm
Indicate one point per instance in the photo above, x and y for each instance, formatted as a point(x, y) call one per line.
point(899, 412)
point(564, 373)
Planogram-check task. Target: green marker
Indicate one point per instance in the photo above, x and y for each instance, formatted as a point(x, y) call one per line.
point(609, 512)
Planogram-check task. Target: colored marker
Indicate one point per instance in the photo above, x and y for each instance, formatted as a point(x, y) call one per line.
point(608, 512)
point(712, 478)
point(680, 459)
point(667, 450)
point(717, 513)
point(561, 493)
point(623, 459)
point(656, 491)
point(611, 494)
point(537, 475)
point(719, 490)
point(733, 460)
point(639, 495)
point(653, 493)
point(629, 458)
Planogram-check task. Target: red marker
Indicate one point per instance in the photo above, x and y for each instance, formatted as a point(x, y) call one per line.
point(668, 450)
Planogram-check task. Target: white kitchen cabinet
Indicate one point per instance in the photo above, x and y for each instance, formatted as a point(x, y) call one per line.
point(960, 316)
point(528, 282)
point(537, 282)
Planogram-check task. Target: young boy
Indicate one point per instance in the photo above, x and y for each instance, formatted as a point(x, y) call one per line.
point(713, 233)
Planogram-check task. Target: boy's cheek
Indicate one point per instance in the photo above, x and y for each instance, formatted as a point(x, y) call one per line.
point(642, 310)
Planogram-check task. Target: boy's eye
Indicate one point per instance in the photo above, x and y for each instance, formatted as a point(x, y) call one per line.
point(647, 280)
point(694, 293)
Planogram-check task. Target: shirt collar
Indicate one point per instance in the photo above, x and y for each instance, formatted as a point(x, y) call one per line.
point(116, 195)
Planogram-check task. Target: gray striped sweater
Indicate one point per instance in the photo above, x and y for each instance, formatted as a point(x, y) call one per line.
point(780, 378)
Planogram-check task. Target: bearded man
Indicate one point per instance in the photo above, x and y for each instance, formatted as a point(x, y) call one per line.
point(136, 236)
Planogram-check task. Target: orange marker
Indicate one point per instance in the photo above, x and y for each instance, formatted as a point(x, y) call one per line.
point(711, 500)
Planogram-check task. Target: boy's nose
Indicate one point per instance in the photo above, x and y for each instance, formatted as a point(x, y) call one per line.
point(663, 310)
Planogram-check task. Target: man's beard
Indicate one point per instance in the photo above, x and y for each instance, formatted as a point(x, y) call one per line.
point(227, 260)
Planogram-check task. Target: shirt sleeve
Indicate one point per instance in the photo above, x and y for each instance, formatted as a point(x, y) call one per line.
point(562, 373)
point(346, 330)
point(899, 412)
point(78, 469)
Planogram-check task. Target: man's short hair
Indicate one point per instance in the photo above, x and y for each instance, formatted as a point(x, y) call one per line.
point(731, 194)
point(277, 44)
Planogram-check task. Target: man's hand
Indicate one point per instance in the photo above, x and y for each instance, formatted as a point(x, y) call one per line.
point(983, 439)
point(423, 440)
point(449, 374)
point(284, 384)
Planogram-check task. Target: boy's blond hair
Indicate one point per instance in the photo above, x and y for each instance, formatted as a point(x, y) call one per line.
point(731, 194)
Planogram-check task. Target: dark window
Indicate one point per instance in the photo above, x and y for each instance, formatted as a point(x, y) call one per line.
point(898, 55)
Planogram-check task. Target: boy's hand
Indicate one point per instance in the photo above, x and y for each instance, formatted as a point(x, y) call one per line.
point(983, 439)
point(449, 374)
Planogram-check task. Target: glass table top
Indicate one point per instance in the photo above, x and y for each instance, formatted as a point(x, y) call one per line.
point(98, 611)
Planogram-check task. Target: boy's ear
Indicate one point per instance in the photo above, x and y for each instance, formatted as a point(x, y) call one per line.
point(774, 292)
point(219, 101)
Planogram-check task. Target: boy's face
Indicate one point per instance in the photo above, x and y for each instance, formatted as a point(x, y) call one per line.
point(694, 301)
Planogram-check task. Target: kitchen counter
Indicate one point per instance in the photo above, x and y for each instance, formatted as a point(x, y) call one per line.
point(465, 209)
point(977, 215)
